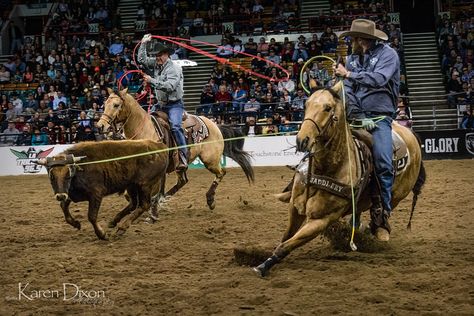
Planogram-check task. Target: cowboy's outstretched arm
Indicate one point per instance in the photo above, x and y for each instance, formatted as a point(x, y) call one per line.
point(353, 109)
point(143, 58)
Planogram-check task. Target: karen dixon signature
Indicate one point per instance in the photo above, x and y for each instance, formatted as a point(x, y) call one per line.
point(69, 292)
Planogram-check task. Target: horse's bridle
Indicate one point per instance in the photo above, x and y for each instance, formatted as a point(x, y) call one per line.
point(112, 120)
point(322, 131)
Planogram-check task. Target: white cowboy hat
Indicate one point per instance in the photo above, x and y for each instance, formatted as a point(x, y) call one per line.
point(366, 29)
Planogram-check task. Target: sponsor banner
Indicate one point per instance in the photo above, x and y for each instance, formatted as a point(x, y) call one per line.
point(265, 151)
point(21, 160)
point(271, 151)
point(455, 144)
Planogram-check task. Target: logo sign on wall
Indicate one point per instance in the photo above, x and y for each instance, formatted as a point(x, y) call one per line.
point(470, 143)
point(455, 144)
point(197, 163)
point(27, 159)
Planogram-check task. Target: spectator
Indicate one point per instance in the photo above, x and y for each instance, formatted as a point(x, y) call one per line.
point(207, 100)
point(300, 52)
point(286, 84)
point(238, 48)
point(24, 139)
point(10, 134)
point(57, 99)
point(239, 97)
point(39, 137)
point(286, 127)
point(297, 105)
point(225, 51)
point(454, 89)
point(467, 121)
point(251, 47)
point(31, 105)
point(262, 47)
point(270, 128)
point(116, 48)
point(17, 103)
point(223, 99)
point(251, 128)
point(252, 106)
point(273, 57)
point(4, 75)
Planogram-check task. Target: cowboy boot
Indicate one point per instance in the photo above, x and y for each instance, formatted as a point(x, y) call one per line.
point(379, 225)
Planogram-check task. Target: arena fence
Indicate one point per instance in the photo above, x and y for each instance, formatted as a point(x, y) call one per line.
point(266, 151)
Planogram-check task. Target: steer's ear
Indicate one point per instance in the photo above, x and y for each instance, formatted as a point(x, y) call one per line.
point(123, 92)
point(110, 91)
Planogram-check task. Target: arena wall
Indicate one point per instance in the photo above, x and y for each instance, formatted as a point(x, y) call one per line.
point(266, 151)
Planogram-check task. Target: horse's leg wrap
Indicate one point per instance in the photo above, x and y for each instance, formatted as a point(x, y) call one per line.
point(265, 267)
point(211, 192)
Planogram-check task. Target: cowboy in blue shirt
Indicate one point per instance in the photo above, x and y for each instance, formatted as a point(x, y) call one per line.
point(372, 79)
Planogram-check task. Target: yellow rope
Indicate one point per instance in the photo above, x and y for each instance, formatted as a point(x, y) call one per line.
point(351, 243)
point(171, 148)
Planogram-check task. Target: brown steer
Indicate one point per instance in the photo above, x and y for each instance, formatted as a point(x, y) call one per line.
point(140, 176)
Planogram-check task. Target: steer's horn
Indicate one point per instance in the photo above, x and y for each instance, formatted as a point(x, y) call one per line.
point(78, 159)
point(42, 161)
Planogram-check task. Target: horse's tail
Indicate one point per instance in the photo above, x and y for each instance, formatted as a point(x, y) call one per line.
point(420, 181)
point(234, 149)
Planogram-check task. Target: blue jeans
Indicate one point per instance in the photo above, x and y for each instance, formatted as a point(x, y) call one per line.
point(175, 117)
point(382, 152)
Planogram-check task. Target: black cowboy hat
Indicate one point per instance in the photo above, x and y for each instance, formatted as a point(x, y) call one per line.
point(158, 48)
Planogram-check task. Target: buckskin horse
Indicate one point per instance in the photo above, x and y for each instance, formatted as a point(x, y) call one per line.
point(208, 142)
point(323, 195)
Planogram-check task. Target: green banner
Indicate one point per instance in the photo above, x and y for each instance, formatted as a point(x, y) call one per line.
point(197, 163)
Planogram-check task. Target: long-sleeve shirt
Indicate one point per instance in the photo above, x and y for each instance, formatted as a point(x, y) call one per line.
point(167, 79)
point(373, 84)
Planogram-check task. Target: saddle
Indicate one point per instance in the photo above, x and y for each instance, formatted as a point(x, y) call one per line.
point(400, 151)
point(195, 129)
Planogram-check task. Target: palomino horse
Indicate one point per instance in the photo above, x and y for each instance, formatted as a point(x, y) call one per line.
point(324, 133)
point(122, 108)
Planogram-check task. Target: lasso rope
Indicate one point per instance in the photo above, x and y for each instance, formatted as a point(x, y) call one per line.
point(351, 243)
point(173, 148)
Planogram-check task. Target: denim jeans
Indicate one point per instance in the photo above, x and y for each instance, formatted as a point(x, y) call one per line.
point(382, 152)
point(175, 116)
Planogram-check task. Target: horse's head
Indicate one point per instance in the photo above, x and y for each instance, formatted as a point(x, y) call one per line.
point(322, 110)
point(113, 108)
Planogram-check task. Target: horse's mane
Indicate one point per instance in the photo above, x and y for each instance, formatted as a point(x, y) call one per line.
point(333, 93)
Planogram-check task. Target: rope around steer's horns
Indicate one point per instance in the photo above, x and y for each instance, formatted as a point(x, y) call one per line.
point(51, 161)
point(348, 135)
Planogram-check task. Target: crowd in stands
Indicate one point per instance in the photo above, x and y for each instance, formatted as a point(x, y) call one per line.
point(235, 96)
point(71, 70)
point(203, 17)
point(455, 35)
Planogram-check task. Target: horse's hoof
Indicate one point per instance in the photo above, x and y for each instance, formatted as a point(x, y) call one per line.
point(261, 272)
point(150, 220)
point(382, 234)
point(77, 225)
point(112, 224)
point(212, 205)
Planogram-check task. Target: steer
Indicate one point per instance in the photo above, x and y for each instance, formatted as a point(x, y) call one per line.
point(139, 176)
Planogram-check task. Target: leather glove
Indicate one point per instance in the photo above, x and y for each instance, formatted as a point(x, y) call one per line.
point(367, 124)
point(146, 38)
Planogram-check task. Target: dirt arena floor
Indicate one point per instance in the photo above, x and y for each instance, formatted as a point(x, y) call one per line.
point(185, 265)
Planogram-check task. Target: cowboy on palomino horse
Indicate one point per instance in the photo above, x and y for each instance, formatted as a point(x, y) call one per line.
point(372, 80)
point(322, 193)
point(167, 81)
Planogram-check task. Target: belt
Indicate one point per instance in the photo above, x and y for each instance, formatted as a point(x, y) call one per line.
point(379, 113)
point(170, 102)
